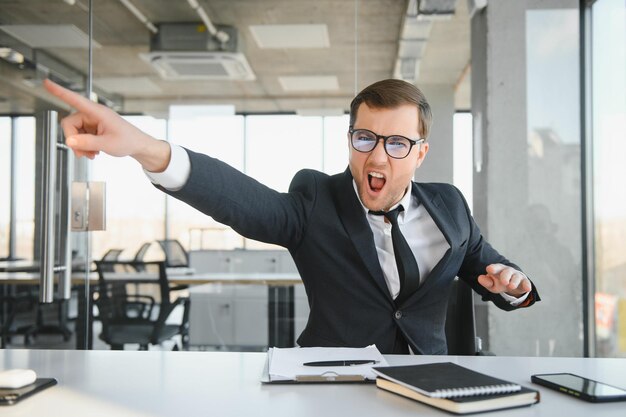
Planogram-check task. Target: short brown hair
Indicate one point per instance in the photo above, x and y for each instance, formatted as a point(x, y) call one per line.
point(388, 94)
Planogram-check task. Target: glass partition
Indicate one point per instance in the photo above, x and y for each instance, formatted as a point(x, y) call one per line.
point(40, 40)
point(271, 80)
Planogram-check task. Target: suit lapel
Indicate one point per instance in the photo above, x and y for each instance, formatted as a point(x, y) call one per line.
point(440, 214)
point(354, 220)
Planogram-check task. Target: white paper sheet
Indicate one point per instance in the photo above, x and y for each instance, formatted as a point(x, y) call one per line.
point(285, 364)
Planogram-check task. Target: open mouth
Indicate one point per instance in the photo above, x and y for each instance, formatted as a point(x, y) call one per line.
point(376, 181)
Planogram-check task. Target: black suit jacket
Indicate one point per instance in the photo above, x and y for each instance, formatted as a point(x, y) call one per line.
point(323, 225)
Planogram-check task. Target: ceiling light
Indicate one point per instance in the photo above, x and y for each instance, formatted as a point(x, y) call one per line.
point(11, 56)
point(309, 83)
point(290, 36)
point(50, 36)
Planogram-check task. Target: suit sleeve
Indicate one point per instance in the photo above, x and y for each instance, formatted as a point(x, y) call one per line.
point(480, 254)
point(249, 207)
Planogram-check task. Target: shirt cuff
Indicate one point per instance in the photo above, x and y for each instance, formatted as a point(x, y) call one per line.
point(177, 172)
point(513, 300)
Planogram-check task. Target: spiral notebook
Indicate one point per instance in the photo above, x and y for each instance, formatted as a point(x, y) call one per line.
point(446, 380)
point(453, 388)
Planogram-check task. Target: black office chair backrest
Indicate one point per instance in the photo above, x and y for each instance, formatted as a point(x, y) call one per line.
point(127, 318)
point(141, 253)
point(460, 320)
point(114, 274)
point(111, 255)
point(175, 254)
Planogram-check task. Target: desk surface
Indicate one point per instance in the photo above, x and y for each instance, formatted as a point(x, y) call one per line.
point(271, 279)
point(107, 383)
point(31, 266)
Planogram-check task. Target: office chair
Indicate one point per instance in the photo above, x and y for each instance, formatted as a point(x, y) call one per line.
point(175, 254)
point(129, 318)
point(141, 253)
point(461, 322)
point(9, 307)
point(111, 255)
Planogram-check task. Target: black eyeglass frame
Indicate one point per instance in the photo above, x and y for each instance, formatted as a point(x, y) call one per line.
point(413, 142)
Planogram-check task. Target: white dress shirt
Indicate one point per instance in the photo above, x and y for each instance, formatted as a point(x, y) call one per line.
point(426, 241)
point(419, 229)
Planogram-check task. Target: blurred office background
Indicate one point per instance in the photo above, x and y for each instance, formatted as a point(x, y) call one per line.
point(529, 103)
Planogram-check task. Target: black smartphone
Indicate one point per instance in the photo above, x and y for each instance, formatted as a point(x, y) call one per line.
point(10, 396)
point(580, 387)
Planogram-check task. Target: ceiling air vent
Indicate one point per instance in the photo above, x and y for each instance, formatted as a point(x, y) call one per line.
point(200, 65)
point(186, 51)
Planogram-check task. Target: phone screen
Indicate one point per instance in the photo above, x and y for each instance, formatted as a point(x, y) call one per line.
point(583, 385)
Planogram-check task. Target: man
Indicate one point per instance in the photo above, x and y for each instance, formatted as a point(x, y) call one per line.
point(377, 253)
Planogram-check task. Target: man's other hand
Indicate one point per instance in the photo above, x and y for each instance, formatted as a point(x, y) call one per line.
point(501, 278)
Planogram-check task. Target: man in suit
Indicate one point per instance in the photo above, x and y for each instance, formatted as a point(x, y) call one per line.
point(377, 252)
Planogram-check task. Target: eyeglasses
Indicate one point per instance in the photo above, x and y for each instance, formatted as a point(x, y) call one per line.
point(396, 146)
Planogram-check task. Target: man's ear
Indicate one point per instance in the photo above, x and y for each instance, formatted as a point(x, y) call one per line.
point(422, 153)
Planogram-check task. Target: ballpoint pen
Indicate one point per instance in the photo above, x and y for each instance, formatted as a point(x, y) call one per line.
point(341, 363)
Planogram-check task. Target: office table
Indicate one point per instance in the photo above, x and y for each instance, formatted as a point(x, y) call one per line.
point(24, 265)
point(154, 383)
point(280, 296)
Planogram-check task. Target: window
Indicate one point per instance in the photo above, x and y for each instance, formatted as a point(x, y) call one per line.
point(135, 209)
point(5, 184)
point(462, 171)
point(336, 145)
point(220, 137)
point(269, 148)
point(25, 183)
point(279, 146)
point(137, 213)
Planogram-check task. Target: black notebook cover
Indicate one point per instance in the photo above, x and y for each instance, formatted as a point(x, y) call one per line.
point(445, 380)
point(454, 388)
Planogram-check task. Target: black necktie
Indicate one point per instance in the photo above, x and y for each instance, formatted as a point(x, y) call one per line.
point(408, 271)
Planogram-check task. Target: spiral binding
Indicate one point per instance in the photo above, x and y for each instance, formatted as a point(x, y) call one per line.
point(469, 391)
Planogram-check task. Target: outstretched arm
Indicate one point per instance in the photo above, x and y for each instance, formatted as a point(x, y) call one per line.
point(95, 128)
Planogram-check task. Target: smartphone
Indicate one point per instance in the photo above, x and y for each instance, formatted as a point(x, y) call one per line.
point(10, 396)
point(580, 387)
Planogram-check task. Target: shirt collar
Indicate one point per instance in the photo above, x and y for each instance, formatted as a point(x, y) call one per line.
point(405, 201)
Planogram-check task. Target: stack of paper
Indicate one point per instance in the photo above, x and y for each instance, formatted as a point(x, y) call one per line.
point(288, 364)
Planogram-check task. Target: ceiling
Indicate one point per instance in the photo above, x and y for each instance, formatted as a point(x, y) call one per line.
point(132, 83)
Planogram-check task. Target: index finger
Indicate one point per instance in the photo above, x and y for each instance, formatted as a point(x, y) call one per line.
point(75, 100)
point(495, 268)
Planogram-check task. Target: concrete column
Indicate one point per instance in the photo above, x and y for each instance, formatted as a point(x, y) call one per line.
point(526, 163)
point(438, 165)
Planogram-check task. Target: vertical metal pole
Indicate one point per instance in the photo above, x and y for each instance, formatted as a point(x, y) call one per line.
point(13, 191)
point(166, 223)
point(587, 202)
point(49, 157)
point(65, 282)
point(88, 295)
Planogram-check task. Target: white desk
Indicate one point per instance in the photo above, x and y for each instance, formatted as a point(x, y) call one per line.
point(277, 279)
point(106, 383)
